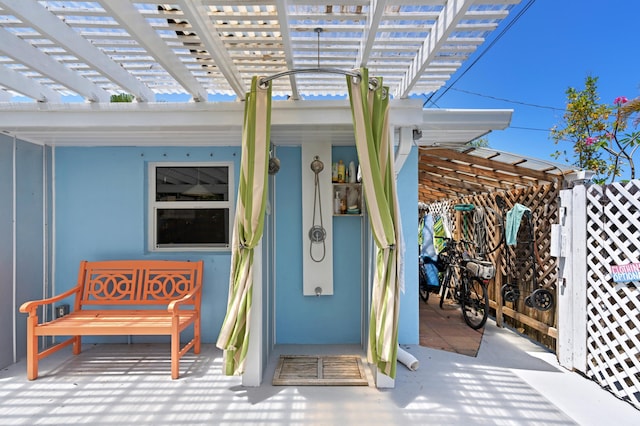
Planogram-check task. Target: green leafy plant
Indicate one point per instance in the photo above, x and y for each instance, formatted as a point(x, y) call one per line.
point(481, 142)
point(598, 134)
point(122, 97)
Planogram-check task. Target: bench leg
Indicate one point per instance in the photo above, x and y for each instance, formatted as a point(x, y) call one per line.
point(77, 345)
point(175, 356)
point(32, 349)
point(196, 335)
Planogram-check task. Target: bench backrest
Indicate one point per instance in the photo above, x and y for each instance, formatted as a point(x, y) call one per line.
point(136, 282)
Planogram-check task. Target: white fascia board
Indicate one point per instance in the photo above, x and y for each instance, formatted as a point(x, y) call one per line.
point(404, 112)
point(456, 119)
point(192, 123)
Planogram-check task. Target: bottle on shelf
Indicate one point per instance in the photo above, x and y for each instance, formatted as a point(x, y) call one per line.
point(341, 171)
point(336, 203)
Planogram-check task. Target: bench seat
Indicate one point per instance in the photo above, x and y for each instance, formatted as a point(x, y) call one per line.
point(112, 323)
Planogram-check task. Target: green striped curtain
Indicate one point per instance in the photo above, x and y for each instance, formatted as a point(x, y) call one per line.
point(370, 111)
point(248, 226)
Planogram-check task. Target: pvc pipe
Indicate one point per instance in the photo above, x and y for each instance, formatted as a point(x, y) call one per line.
point(407, 359)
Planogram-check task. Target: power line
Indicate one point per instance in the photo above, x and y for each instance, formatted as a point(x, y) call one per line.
point(529, 128)
point(493, 42)
point(509, 100)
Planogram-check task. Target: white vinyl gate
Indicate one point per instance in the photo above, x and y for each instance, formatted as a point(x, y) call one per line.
point(600, 228)
point(613, 311)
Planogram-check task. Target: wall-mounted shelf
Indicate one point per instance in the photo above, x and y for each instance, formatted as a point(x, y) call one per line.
point(351, 199)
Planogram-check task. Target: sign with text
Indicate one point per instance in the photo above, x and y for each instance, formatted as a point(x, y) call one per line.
point(625, 273)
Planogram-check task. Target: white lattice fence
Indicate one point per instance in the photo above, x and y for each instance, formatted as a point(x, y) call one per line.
point(613, 323)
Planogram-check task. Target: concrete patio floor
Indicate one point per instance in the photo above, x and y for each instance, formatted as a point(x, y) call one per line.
point(512, 381)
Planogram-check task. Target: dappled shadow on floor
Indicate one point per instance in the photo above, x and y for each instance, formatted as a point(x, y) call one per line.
point(507, 383)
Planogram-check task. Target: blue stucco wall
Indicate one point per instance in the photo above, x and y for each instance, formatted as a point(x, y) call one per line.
point(101, 214)
point(409, 332)
point(334, 319)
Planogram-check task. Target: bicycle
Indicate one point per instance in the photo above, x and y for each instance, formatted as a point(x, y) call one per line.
point(466, 279)
point(423, 290)
point(426, 285)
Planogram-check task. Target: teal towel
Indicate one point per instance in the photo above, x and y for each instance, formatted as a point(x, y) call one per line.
point(514, 216)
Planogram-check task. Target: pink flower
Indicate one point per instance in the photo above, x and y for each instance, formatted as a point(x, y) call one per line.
point(590, 141)
point(620, 100)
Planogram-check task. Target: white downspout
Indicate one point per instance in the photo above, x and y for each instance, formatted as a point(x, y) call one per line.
point(14, 260)
point(405, 142)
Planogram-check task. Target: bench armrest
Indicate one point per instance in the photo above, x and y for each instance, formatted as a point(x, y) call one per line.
point(174, 305)
point(31, 306)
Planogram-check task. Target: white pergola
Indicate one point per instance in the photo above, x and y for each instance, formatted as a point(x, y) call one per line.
point(180, 60)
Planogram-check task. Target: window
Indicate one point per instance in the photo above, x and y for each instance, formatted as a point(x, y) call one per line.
point(189, 206)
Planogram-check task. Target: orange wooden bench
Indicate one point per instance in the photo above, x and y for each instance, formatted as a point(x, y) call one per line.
point(123, 297)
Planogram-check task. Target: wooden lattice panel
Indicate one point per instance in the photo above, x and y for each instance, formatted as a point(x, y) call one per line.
point(613, 323)
point(543, 202)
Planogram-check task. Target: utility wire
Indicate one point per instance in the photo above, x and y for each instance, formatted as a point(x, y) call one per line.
point(509, 100)
point(493, 42)
point(530, 128)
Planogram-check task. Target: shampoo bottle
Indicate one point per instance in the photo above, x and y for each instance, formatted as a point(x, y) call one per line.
point(341, 171)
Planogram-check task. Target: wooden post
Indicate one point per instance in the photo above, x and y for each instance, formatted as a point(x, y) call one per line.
point(572, 279)
point(458, 231)
point(498, 288)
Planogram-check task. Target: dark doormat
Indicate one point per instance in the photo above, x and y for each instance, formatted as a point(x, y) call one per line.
point(316, 370)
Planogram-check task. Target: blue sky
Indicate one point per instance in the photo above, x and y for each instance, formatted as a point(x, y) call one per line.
point(555, 44)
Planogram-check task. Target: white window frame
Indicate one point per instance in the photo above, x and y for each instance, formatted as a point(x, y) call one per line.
point(153, 206)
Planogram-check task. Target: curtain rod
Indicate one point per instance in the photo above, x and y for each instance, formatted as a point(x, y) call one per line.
point(352, 73)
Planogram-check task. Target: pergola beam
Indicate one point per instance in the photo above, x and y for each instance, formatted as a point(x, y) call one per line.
point(490, 164)
point(494, 173)
point(376, 12)
point(196, 13)
point(28, 87)
point(23, 52)
point(51, 26)
point(129, 17)
point(283, 20)
point(450, 16)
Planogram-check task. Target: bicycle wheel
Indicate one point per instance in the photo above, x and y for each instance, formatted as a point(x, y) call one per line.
point(450, 285)
point(475, 303)
point(489, 231)
point(446, 283)
point(422, 284)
